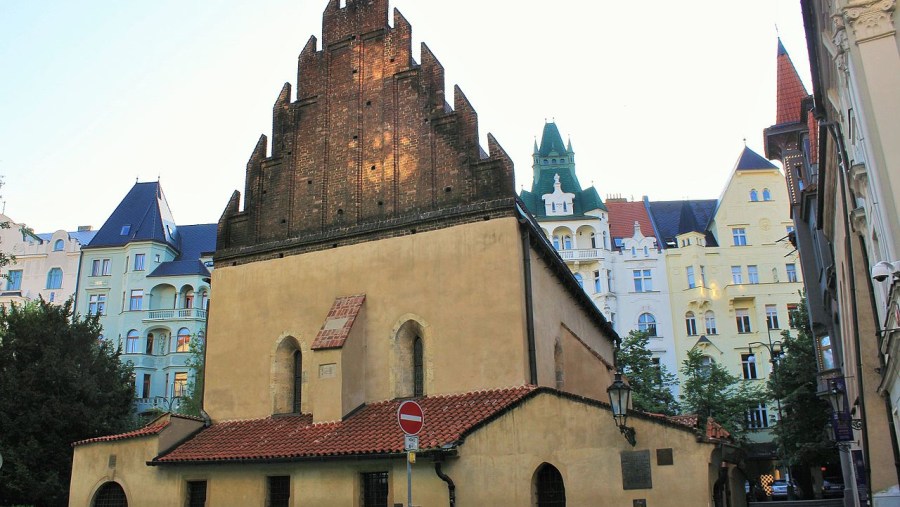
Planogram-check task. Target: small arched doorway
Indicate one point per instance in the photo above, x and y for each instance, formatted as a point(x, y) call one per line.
point(549, 490)
point(110, 494)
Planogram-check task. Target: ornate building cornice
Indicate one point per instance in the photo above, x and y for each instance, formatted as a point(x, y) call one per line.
point(870, 19)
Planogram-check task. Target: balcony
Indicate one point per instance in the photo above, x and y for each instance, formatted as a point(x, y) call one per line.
point(160, 403)
point(174, 314)
point(583, 254)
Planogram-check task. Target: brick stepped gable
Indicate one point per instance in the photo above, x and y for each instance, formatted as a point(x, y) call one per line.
point(369, 149)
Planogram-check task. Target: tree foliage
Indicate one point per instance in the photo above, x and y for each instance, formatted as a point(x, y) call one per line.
point(709, 390)
point(191, 402)
point(800, 434)
point(58, 384)
point(651, 384)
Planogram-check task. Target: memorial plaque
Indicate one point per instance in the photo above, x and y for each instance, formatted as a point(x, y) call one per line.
point(639, 502)
point(664, 457)
point(636, 470)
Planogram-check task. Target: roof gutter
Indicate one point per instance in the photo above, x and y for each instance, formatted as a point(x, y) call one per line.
point(301, 459)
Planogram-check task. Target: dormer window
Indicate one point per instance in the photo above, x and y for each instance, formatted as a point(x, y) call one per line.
point(558, 203)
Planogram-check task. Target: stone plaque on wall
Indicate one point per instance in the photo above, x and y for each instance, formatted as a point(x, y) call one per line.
point(327, 370)
point(639, 502)
point(636, 470)
point(664, 457)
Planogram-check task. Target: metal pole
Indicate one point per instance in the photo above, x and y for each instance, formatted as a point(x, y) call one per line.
point(408, 481)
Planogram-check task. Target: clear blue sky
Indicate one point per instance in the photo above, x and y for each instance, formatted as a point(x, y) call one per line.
point(656, 96)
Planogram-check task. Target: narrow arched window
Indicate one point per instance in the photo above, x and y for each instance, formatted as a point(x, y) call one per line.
point(54, 278)
point(690, 322)
point(184, 340)
point(297, 382)
point(58, 245)
point(549, 490)
point(754, 195)
point(647, 324)
point(418, 368)
point(593, 240)
point(567, 242)
point(132, 342)
point(580, 280)
point(605, 241)
point(767, 196)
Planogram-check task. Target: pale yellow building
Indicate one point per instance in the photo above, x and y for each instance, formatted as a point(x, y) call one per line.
point(734, 278)
point(381, 255)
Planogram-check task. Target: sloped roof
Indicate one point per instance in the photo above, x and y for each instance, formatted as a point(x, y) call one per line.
point(143, 215)
point(585, 199)
point(750, 160)
point(623, 215)
point(551, 141)
point(154, 427)
point(790, 89)
point(83, 237)
point(371, 430)
point(338, 323)
point(672, 218)
point(194, 241)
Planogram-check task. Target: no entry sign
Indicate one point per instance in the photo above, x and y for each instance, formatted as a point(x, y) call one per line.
point(410, 417)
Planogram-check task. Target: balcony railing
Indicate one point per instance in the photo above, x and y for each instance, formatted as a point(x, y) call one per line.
point(582, 254)
point(175, 314)
point(162, 403)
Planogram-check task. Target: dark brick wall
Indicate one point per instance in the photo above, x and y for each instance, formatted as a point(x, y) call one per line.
point(369, 141)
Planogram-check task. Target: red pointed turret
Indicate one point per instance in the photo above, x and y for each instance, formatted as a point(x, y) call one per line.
point(790, 89)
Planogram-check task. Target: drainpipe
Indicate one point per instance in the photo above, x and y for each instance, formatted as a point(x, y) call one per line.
point(844, 166)
point(207, 421)
point(529, 305)
point(451, 488)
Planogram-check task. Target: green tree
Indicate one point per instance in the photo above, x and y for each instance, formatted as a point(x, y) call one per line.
point(192, 401)
point(59, 383)
point(651, 384)
point(800, 434)
point(709, 390)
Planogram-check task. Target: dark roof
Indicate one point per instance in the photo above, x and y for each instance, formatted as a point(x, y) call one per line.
point(194, 242)
point(551, 141)
point(83, 237)
point(672, 218)
point(750, 160)
point(143, 215)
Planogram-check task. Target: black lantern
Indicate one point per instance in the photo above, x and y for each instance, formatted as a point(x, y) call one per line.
point(619, 399)
point(835, 395)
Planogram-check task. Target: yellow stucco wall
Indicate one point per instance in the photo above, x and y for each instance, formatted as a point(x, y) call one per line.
point(495, 466)
point(463, 284)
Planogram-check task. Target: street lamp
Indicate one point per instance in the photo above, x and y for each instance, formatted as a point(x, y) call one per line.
point(619, 399)
point(837, 398)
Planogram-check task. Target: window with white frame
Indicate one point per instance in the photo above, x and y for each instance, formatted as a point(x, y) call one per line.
point(742, 317)
point(690, 277)
point(710, 319)
point(752, 274)
point(748, 366)
point(772, 316)
point(758, 417)
point(643, 280)
point(136, 302)
point(54, 278)
point(579, 279)
point(97, 304)
point(139, 261)
point(791, 272)
point(739, 236)
point(736, 276)
point(597, 282)
point(647, 324)
point(133, 342)
point(14, 279)
point(58, 245)
point(690, 323)
point(703, 276)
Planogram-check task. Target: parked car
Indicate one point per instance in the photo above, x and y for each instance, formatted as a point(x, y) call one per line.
point(832, 488)
point(780, 489)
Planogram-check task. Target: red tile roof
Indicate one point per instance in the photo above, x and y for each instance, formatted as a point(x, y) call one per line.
point(153, 428)
point(790, 90)
point(337, 324)
point(623, 215)
point(714, 430)
point(371, 430)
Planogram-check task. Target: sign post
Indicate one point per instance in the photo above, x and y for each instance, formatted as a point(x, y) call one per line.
point(411, 419)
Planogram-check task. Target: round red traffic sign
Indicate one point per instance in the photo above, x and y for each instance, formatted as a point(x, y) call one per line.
point(410, 417)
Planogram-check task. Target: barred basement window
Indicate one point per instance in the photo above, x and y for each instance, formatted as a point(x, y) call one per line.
point(196, 493)
point(374, 489)
point(279, 494)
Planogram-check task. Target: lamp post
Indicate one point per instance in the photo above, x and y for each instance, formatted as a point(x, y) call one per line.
point(775, 351)
point(619, 399)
